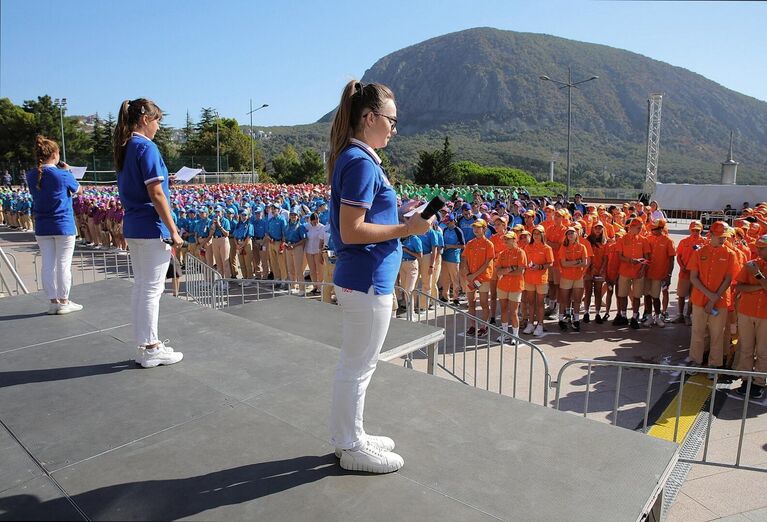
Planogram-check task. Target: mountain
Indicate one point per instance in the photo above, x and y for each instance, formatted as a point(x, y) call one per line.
point(482, 88)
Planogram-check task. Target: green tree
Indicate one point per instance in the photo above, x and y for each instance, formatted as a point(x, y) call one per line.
point(391, 171)
point(425, 168)
point(164, 141)
point(16, 134)
point(311, 169)
point(47, 121)
point(285, 164)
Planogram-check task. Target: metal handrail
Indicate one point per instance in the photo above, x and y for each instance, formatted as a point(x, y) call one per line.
point(683, 370)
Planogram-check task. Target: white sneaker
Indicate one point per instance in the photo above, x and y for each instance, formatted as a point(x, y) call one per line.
point(530, 328)
point(371, 459)
point(160, 355)
point(141, 349)
point(69, 307)
point(501, 338)
point(659, 322)
point(53, 308)
point(538, 332)
point(379, 441)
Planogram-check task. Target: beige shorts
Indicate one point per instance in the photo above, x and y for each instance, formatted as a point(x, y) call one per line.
point(541, 289)
point(636, 286)
point(485, 287)
point(683, 287)
point(652, 287)
point(511, 296)
point(568, 284)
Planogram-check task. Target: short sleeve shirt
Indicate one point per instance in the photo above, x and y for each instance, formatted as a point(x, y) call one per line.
point(478, 251)
point(54, 215)
point(513, 281)
point(359, 181)
point(753, 303)
point(712, 264)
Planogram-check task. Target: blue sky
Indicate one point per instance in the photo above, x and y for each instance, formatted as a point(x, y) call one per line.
point(297, 55)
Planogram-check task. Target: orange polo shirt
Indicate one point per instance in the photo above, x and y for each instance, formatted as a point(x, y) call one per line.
point(475, 253)
point(712, 264)
point(660, 257)
point(752, 303)
point(571, 253)
point(632, 247)
point(538, 254)
point(556, 234)
point(684, 252)
point(613, 261)
point(600, 252)
point(514, 281)
point(499, 244)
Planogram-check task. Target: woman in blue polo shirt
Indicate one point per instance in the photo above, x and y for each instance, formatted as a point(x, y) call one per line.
point(52, 189)
point(365, 227)
point(142, 182)
point(295, 239)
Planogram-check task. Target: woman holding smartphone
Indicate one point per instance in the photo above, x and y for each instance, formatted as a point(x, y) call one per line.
point(52, 187)
point(366, 232)
point(142, 181)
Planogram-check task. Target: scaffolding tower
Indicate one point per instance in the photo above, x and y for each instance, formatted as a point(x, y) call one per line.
point(653, 142)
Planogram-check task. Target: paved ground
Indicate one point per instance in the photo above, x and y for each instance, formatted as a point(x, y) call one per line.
point(710, 491)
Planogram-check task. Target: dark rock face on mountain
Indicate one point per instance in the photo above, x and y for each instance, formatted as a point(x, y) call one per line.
point(486, 82)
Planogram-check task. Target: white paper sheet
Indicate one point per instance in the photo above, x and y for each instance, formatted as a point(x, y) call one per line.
point(417, 210)
point(186, 174)
point(78, 172)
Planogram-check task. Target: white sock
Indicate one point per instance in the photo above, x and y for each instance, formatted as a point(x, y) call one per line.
point(576, 316)
point(505, 327)
point(515, 331)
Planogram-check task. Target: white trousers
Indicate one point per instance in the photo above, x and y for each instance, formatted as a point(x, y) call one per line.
point(150, 259)
point(56, 252)
point(364, 323)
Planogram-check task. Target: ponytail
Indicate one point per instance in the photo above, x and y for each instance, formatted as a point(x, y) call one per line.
point(45, 149)
point(128, 119)
point(355, 98)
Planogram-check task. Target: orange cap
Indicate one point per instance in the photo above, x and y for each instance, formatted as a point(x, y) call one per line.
point(719, 228)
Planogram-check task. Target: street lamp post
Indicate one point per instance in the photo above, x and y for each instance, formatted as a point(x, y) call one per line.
point(218, 148)
point(62, 104)
point(569, 84)
point(253, 140)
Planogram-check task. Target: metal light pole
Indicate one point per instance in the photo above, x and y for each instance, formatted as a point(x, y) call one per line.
point(569, 84)
point(253, 141)
point(62, 104)
point(218, 148)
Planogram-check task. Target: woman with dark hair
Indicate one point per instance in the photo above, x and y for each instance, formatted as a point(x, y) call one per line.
point(52, 186)
point(142, 182)
point(366, 231)
point(540, 257)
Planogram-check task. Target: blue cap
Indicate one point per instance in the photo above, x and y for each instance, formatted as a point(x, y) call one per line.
point(192, 211)
point(450, 216)
point(466, 206)
point(219, 208)
point(230, 210)
point(243, 212)
point(203, 210)
point(295, 210)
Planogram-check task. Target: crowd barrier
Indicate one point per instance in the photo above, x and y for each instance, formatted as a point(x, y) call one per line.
point(91, 266)
point(652, 371)
point(10, 281)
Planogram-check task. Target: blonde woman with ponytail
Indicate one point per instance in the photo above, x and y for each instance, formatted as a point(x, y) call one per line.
point(366, 231)
point(148, 227)
point(52, 186)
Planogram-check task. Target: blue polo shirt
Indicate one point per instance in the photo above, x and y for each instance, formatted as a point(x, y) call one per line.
point(465, 223)
point(453, 236)
point(275, 227)
point(412, 243)
point(225, 224)
point(53, 203)
point(259, 227)
point(243, 230)
point(203, 227)
point(359, 181)
point(143, 165)
point(295, 232)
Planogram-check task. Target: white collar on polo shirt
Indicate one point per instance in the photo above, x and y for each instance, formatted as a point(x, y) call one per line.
point(134, 133)
point(367, 149)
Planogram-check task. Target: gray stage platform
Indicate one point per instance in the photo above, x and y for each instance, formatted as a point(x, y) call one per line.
point(237, 431)
point(317, 321)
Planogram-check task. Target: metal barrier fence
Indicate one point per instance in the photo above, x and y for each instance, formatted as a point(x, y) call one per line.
point(89, 267)
point(8, 270)
point(455, 348)
point(204, 285)
point(652, 369)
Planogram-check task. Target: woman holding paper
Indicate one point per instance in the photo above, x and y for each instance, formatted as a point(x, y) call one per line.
point(52, 186)
point(366, 231)
point(142, 181)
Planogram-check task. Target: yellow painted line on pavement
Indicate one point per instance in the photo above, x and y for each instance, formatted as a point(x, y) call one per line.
point(695, 392)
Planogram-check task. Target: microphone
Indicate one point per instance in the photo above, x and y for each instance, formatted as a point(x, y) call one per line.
point(433, 207)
